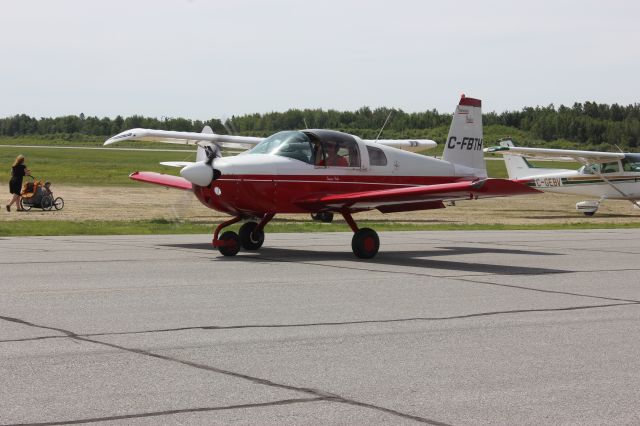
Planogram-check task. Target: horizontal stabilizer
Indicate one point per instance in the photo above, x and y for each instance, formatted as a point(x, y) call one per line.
point(162, 179)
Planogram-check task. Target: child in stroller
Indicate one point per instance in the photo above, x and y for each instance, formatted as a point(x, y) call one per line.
point(38, 194)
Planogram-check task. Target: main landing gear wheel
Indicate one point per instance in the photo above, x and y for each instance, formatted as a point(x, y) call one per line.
point(365, 243)
point(326, 217)
point(231, 245)
point(250, 239)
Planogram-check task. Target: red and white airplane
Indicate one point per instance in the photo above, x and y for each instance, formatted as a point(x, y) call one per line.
point(324, 172)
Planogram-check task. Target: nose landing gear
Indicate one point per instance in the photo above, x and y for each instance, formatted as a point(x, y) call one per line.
point(251, 236)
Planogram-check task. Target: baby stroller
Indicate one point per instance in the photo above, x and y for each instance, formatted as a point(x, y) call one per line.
point(38, 194)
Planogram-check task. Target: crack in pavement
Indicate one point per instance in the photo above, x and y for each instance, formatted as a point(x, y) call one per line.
point(256, 380)
point(328, 323)
point(171, 412)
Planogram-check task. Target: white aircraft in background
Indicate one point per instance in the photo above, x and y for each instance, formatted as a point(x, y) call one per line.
point(604, 175)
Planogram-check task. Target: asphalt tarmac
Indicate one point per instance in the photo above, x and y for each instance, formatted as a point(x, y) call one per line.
point(461, 328)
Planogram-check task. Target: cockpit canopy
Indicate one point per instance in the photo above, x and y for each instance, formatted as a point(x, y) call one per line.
point(322, 148)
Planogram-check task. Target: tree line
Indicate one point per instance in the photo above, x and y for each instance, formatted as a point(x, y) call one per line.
point(585, 124)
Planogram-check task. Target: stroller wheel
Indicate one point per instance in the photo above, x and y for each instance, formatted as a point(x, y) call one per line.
point(25, 206)
point(58, 203)
point(46, 203)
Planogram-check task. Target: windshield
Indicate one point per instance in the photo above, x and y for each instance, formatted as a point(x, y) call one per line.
point(631, 163)
point(291, 144)
point(609, 167)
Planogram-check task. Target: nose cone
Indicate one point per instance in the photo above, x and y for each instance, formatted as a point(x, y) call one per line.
point(199, 173)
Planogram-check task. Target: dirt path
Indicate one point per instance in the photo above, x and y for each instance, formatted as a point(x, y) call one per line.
point(152, 202)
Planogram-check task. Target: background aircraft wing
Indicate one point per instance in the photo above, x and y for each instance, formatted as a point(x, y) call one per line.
point(185, 138)
point(557, 154)
point(418, 197)
point(406, 144)
point(162, 179)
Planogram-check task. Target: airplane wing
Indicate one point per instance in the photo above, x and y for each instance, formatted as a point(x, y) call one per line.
point(557, 154)
point(185, 138)
point(406, 144)
point(162, 179)
point(418, 197)
point(238, 142)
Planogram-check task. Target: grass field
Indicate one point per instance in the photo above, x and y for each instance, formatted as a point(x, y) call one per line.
point(89, 166)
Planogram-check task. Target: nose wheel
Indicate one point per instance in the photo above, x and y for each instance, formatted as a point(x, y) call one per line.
point(251, 236)
point(230, 243)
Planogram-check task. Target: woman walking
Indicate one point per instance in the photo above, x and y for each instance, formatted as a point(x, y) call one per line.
point(18, 171)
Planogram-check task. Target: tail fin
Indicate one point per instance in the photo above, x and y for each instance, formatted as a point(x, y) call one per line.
point(517, 166)
point(201, 153)
point(463, 147)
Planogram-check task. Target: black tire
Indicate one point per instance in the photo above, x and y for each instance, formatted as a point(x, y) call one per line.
point(232, 246)
point(365, 243)
point(326, 217)
point(25, 206)
point(249, 238)
point(46, 203)
point(589, 213)
point(58, 203)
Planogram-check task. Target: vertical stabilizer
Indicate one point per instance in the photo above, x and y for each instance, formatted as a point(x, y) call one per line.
point(201, 153)
point(517, 166)
point(463, 146)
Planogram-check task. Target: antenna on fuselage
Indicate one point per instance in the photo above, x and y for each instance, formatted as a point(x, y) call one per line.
point(384, 124)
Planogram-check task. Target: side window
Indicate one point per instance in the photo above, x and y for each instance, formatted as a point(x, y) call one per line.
point(339, 153)
point(610, 167)
point(376, 156)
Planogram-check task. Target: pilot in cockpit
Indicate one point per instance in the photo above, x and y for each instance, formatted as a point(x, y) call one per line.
point(333, 159)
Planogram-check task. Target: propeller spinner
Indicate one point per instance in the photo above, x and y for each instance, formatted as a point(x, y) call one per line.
point(202, 173)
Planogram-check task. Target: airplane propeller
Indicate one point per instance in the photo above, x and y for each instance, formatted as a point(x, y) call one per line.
point(202, 172)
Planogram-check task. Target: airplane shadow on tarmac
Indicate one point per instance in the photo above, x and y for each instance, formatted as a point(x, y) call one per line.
point(409, 258)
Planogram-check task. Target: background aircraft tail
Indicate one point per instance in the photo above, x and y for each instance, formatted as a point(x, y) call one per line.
point(463, 146)
point(201, 153)
point(519, 168)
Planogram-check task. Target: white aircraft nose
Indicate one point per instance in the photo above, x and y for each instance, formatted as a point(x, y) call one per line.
point(199, 173)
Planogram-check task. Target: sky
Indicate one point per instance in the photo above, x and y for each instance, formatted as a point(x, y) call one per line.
point(214, 59)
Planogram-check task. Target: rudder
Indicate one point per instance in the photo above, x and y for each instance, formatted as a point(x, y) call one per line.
point(464, 143)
